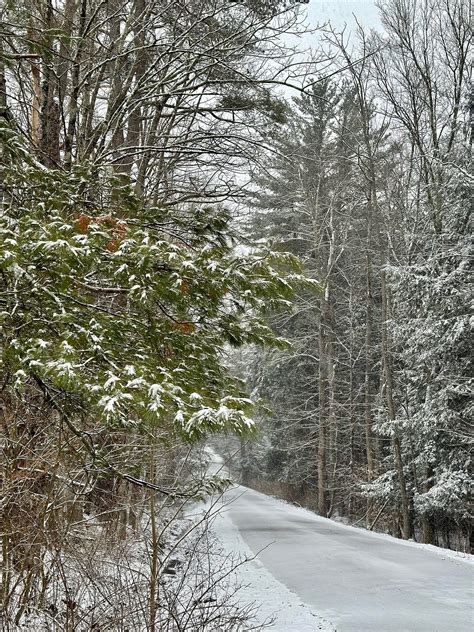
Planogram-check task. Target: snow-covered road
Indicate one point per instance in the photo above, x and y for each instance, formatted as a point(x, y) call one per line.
point(360, 581)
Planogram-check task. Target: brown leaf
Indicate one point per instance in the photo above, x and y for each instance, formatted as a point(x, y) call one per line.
point(82, 223)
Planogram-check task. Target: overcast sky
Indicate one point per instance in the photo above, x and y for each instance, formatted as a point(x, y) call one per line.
point(341, 11)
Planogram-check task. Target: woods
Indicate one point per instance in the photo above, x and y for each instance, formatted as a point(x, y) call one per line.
point(205, 230)
point(371, 187)
point(123, 130)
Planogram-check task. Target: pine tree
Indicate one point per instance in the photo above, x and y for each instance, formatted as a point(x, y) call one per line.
point(114, 316)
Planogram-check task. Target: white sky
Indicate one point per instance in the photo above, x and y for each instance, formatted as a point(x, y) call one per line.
point(341, 12)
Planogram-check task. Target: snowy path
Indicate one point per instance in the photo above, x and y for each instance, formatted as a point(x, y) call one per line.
point(361, 582)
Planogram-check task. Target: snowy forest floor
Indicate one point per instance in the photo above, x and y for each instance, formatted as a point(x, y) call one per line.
point(102, 584)
point(246, 561)
point(358, 580)
point(275, 607)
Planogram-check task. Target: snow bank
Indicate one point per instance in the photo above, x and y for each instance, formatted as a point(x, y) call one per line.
point(459, 556)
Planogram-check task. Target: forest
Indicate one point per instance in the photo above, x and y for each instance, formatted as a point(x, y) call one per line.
point(369, 184)
point(223, 226)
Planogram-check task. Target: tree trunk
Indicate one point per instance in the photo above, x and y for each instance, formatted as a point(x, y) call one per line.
point(407, 529)
point(3, 112)
point(75, 88)
point(322, 437)
point(369, 450)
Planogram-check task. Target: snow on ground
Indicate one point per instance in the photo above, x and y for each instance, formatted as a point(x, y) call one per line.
point(276, 603)
point(278, 607)
point(359, 580)
point(218, 467)
point(460, 556)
